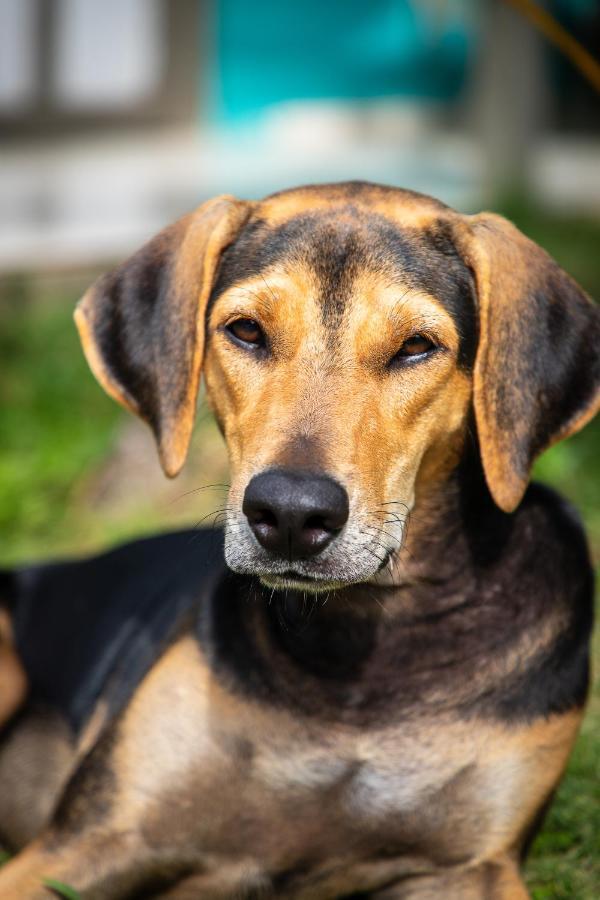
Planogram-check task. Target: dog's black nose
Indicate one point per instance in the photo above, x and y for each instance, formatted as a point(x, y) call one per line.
point(295, 514)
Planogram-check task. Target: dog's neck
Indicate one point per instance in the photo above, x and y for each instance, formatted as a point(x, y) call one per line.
point(453, 528)
point(352, 640)
point(453, 531)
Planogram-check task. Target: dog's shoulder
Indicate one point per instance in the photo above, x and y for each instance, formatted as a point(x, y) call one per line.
point(551, 564)
point(543, 542)
point(553, 534)
point(552, 588)
point(80, 624)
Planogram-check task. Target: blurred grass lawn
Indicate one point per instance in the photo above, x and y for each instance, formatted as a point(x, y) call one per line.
point(58, 431)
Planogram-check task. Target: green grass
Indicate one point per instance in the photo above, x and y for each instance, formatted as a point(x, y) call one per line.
point(564, 863)
point(55, 425)
point(59, 433)
point(61, 890)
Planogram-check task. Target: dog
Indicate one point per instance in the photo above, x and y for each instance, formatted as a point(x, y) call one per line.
point(369, 682)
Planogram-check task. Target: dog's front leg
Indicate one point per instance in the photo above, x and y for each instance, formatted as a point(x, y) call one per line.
point(96, 866)
point(494, 880)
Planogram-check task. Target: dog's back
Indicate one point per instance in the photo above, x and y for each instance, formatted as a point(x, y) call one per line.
point(79, 623)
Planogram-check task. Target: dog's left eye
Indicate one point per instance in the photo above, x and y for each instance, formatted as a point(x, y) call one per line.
point(417, 345)
point(246, 331)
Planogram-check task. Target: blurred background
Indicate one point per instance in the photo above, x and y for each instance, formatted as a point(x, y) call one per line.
point(118, 116)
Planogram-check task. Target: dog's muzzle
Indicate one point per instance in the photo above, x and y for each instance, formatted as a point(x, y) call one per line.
point(295, 531)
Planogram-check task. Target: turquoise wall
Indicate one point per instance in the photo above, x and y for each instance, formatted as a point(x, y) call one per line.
point(270, 51)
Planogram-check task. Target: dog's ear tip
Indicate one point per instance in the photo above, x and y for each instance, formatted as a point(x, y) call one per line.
point(507, 497)
point(170, 465)
point(173, 449)
point(171, 470)
point(506, 479)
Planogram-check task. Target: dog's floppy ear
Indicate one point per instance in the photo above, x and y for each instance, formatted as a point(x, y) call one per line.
point(142, 325)
point(537, 370)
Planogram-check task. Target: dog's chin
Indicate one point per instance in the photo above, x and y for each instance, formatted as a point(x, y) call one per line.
point(290, 581)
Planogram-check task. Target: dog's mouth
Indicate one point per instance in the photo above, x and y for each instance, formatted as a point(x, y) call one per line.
point(291, 580)
point(294, 581)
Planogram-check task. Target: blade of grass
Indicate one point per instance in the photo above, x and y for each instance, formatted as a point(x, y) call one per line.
point(62, 890)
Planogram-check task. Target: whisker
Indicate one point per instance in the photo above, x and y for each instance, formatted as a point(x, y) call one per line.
point(206, 487)
point(370, 529)
point(268, 287)
point(372, 552)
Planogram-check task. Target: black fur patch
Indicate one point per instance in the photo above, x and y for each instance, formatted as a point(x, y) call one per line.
point(96, 626)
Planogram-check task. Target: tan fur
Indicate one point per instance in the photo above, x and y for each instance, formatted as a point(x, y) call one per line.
point(265, 411)
point(411, 211)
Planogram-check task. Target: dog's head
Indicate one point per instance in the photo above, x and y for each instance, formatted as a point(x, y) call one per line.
point(345, 333)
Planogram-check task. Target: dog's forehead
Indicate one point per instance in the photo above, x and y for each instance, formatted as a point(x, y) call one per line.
point(364, 223)
point(378, 198)
point(339, 233)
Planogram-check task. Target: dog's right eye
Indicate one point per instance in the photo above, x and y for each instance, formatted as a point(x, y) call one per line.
point(246, 332)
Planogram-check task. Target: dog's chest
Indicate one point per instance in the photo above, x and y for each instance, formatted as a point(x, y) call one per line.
point(238, 780)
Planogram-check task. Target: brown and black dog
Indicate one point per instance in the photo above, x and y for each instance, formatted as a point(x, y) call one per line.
point(320, 702)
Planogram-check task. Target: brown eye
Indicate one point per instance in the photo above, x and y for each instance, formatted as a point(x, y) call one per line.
point(417, 345)
point(246, 331)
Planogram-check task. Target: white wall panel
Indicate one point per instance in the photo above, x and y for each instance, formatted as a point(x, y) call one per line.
point(107, 53)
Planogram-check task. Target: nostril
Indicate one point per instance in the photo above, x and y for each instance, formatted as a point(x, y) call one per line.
point(316, 522)
point(319, 523)
point(262, 517)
